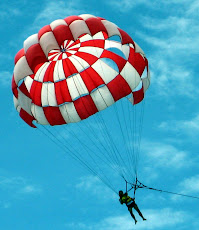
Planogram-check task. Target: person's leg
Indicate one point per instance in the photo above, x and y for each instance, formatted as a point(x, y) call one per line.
point(138, 211)
point(131, 212)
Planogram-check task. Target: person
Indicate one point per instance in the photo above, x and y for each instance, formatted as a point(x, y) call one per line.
point(130, 203)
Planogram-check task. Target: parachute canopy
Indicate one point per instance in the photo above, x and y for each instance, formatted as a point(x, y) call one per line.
point(85, 68)
point(74, 68)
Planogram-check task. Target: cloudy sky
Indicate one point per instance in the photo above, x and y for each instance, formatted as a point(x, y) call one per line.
point(42, 188)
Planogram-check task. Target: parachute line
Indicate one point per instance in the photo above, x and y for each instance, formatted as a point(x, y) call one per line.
point(72, 154)
point(76, 157)
point(114, 146)
point(116, 158)
point(107, 152)
point(141, 185)
point(118, 152)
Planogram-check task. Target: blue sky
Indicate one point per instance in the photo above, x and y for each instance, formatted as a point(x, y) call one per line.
point(42, 188)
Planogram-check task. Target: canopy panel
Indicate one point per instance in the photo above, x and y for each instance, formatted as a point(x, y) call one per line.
point(74, 68)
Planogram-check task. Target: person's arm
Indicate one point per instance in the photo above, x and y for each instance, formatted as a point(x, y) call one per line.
point(121, 202)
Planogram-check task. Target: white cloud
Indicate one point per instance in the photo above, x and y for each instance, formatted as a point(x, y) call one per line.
point(18, 185)
point(9, 183)
point(93, 185)
point(125, 5)
point(173, 24)
point(30, 189)
point(167, 155)
point(58, 10)
point(5, 78)
point(7, 12)
point(174, 42)
point(193, 8)
point(53, 10)
point(170, 79)
point(175, 34)
point(163, 218)
point(190, 185)
point(87, 182)
point(188, 127)
point(156, 219)
point(5, 204)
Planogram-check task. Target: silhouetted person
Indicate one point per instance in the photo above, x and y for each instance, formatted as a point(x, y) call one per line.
point(130, 203)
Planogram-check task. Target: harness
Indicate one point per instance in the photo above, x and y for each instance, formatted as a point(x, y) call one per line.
point(125, 199)
point(134, 186)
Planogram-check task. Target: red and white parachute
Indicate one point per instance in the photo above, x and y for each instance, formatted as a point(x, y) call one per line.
point(74, 68)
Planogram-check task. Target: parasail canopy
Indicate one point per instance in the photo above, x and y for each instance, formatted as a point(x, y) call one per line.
point(73, 69)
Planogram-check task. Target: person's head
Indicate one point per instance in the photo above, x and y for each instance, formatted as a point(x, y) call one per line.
point(121, 193)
